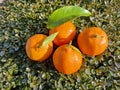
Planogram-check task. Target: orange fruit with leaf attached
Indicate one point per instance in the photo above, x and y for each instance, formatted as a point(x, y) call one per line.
point(67, 32)
point(35, 50)
point(92, 41)
point(67, 59)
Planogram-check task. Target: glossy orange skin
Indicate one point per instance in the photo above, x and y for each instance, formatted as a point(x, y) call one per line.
point(66, 33)
point(92, 41)
point(36, 53)
point(67, 60)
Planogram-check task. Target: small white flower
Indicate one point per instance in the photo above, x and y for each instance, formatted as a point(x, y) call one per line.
point(1, 1)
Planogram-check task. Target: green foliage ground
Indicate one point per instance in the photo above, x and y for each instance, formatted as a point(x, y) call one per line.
point(20, 19)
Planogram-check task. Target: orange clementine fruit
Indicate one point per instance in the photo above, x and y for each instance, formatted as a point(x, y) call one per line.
point(92, 41)
point(67, 59)
point(67, 32)
point(34, 49)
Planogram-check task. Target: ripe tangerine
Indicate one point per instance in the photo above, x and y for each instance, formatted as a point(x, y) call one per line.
point(35, 51)
point(67, 32)
point(67, 59)
point(92, 41)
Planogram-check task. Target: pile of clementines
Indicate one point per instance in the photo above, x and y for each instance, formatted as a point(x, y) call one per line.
point(67, 58)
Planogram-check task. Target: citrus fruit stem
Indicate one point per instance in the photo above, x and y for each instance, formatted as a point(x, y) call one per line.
point(70, 43)
point(95, 35)
point(39, 46)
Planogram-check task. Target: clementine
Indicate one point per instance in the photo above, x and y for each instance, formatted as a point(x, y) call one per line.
point(67, 59)
point(67, 32)
point(92, 41)
point(35, 50)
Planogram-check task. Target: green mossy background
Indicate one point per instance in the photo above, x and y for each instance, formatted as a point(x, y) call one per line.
point(20, 19)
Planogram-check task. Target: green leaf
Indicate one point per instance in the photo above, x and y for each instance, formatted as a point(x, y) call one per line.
point(49, 39)
point(65, 14)
point(76, 49)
